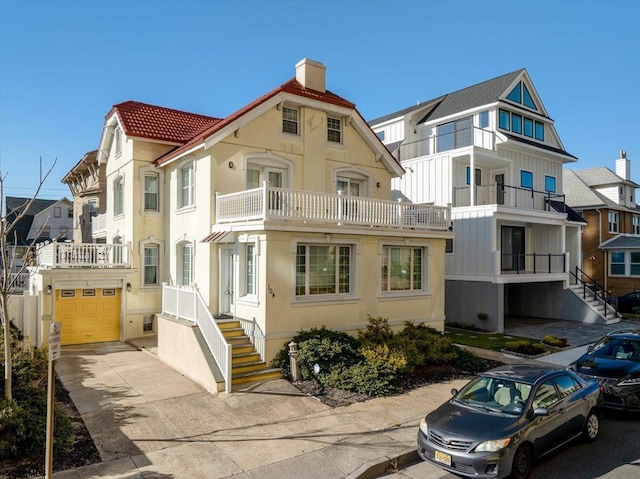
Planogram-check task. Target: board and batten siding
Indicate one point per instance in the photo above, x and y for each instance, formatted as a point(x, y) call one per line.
point(392, 132)
point(539, 166)
point(425, 181)
point(473, 251)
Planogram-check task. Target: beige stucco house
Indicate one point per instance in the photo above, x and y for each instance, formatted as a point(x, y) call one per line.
point(235, 233)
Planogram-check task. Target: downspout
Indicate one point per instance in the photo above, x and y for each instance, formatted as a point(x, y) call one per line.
point(604, 253)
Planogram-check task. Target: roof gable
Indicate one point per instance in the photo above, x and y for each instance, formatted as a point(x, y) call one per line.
point(601, 176)
point(474, 96)
point(286, 90)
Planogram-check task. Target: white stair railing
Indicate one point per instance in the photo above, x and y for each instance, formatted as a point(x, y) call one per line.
point(186, 302)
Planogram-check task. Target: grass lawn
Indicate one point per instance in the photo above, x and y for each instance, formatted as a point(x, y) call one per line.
point(491, 341)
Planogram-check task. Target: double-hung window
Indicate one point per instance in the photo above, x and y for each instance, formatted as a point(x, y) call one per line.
point(323, 270)
point(403, 269)
point(617, 266)
point(57, 212)
point(151, 192)
point(635, 225)
point(118, 141)
point(334, 130)
point(151, 258)
point(290, 120)
point(186, 186)
point(614, 224)
point(634, 266)
point(118, 196)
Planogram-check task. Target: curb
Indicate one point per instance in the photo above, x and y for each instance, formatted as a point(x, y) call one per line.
point(378, 468)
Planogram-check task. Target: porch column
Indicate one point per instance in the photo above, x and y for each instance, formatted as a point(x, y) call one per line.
point(472, 180)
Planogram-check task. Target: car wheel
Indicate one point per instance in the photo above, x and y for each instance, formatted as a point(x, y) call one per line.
point(522, 462)
point(591, 426)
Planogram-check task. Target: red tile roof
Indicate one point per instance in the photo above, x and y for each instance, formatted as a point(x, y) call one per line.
point(292, 87)
point(159, 123)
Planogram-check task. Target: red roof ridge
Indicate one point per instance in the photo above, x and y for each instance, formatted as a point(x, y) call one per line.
point(292, 86)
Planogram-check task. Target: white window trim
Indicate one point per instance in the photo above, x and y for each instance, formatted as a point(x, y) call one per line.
point(243, 297)
point(533, 179)
point(425, 291)
point(160, 244)
point(354, 174)
point(179, 248)
point(340, 130)
point(144, 171)
point(180, 208)
point(119, 175)
point(555, 182)
point(616, 224)
point(118, 136)
point(299, 121)
point(328, 239)
point(268, 160)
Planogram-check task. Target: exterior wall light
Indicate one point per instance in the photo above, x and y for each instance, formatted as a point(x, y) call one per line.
point(231, 165)
point(129, 287)
point(49, 290)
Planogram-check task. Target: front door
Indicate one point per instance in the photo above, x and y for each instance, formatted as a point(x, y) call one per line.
point(226, 280)
point(513, 248)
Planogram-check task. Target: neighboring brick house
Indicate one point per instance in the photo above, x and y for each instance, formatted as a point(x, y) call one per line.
point(611, 238)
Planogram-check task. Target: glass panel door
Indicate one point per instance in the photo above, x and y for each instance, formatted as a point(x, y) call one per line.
point(513, 248)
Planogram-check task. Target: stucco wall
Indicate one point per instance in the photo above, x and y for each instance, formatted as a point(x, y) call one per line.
point(465, 299)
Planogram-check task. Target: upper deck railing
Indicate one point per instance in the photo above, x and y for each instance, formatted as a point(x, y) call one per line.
point(474, 136)
point(270, 203)
point(83, 255)
point(512, 196)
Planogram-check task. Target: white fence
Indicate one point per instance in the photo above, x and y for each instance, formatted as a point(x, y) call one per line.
point(187, 303)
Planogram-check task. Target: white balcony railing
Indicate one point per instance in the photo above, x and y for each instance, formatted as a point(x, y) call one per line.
point(99, 225)
point(474, 136)
point(82, 255)
point(270, 203)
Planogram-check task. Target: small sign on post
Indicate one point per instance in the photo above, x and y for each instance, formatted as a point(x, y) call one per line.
point(54, 341)
point(54, 353)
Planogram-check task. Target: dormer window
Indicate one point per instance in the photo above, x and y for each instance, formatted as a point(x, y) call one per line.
point(334, 130)
point(290, 120)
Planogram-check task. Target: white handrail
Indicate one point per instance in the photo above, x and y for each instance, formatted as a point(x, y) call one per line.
point(187, 303)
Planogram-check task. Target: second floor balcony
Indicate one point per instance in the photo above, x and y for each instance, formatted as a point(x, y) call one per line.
point(83, 255)
point(473, 136)
point(510, 196)
point(271, 203)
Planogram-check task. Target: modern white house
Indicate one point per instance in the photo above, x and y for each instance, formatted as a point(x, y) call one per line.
point(227, 236)
point(492, 153)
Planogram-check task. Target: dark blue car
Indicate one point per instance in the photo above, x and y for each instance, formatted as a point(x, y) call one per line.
point(614, 361)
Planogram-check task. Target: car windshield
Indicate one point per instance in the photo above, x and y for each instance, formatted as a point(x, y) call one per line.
point(495, 394)
point(617, 348)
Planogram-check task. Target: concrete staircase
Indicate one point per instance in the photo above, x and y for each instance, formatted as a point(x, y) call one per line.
point(246, 364)
point(597, 306)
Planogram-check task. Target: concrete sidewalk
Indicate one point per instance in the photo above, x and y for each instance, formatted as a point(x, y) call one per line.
point(147, 420)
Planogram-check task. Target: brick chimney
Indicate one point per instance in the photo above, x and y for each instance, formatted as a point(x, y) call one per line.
point(623, 166)
point(311, 74)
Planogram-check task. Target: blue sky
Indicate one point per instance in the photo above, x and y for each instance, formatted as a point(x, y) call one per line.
point(63, 64)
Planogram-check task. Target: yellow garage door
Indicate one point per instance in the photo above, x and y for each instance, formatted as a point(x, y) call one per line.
point(88, 315)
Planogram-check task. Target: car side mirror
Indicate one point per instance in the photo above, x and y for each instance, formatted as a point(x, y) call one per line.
point(540, 411)
point(590, 348)
point(454, 391)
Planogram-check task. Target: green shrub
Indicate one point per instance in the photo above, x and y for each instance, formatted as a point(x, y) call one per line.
point(423, 345)
point(327, 354)
point(465, 326)
point(523, 346)
point(554, 341)
point(281, 360)
point(468, 362)
point(377, 332)
point(23, 420)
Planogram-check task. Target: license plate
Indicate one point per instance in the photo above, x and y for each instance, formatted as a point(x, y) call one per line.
point(443, 458)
